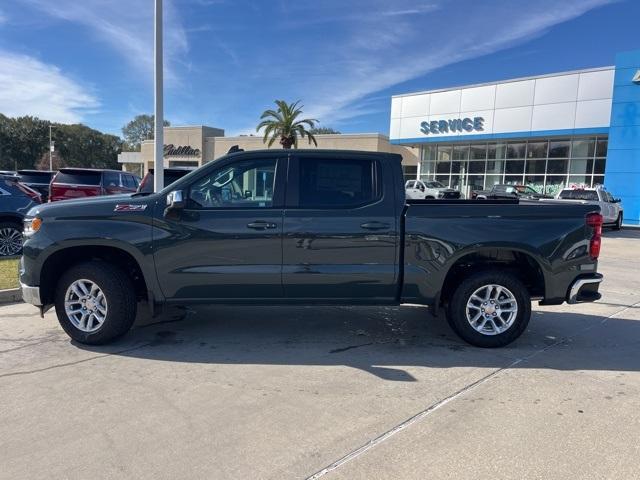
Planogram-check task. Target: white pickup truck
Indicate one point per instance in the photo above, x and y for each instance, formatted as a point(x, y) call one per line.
point(610, 208)
point(419, 190)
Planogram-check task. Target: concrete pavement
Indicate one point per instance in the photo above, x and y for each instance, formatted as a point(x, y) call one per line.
point(275, 393)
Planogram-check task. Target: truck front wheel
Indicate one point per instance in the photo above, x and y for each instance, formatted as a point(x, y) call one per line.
point(489, 309)
point(95, 302)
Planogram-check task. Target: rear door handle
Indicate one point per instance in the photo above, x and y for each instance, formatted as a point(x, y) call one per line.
point(375, 226)
point(261, 225)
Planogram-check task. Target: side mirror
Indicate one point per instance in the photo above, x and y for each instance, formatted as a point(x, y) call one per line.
point(248, 194)
point(175, 200)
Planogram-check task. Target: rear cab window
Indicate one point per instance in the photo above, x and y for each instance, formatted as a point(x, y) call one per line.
point(336, 183)
point(587, 195)
point(78, 178)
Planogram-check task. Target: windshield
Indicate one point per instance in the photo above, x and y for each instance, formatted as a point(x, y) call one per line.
point(434, 185)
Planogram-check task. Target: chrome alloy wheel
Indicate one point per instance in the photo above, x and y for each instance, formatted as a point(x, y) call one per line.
point(491, 309)
point(85, 305)
point(10, 241)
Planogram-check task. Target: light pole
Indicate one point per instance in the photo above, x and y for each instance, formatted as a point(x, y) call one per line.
point(50, 150)
point(158, 160)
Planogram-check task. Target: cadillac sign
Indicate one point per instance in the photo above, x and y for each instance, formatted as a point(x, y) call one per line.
point(455, 125)
point(180, 151)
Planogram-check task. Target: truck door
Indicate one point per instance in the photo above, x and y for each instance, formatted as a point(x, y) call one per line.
point(226, 243)
point(340, 236)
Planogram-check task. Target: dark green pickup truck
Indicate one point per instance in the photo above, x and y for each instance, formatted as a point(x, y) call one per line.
point(306, 227)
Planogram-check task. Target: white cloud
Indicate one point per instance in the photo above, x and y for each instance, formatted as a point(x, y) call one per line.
point(31, 87)
point(388, 49)
point(127, 26)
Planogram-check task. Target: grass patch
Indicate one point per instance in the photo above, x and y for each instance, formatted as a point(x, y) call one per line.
point(9, 273)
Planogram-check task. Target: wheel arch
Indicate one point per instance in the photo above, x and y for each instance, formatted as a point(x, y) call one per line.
point(68, 256)
point(519, 262)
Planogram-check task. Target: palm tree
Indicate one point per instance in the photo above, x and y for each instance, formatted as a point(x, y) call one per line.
point(282, 124)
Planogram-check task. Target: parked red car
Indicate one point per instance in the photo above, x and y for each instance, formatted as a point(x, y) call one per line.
point(86, 182)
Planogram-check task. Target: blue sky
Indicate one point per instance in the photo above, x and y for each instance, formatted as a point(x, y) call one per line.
point(90, 61)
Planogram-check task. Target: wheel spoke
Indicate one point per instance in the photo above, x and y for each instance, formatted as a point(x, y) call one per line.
point(491, 309)
point(86, 305)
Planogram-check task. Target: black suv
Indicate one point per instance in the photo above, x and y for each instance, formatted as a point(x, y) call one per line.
point(15, 201)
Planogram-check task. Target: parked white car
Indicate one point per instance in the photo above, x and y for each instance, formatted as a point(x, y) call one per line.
point(610, 207)
point(419, 190)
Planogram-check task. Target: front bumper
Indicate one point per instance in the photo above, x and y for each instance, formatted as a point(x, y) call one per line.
point(585, 289)
point(31, 295)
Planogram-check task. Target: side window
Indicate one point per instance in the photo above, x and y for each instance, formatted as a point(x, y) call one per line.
point(111, 179)
point(337, 183)
point(247, 184)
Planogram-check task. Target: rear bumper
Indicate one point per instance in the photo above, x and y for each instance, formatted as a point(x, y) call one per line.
point(585, 289)
point(31, 295)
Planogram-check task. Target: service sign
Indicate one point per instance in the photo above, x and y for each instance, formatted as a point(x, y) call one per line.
point(454, 125)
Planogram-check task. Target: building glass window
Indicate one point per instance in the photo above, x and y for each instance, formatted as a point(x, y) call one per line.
point(601, 147)
point(583, 148)
point(582, 166)
point(537, 149)
point(496, 150)
point(545, 165)
point(461, 152)
point(536, 182)
point(514, 166)
point(478, 152)
point(444, 153)
point(559, 149)
point(410, 172)
point(536, 167)
point(516, 150)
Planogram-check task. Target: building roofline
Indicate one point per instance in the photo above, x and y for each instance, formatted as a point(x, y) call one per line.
point(323, 135)
point(508, 80)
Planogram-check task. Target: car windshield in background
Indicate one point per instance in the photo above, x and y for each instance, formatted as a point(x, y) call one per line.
point(79, 178)
point(579, 195)
point(434, 185)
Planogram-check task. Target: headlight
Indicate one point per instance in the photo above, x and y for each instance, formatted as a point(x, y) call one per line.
point(31, 226)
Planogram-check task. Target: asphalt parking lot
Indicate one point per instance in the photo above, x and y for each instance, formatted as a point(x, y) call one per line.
point(335, 393)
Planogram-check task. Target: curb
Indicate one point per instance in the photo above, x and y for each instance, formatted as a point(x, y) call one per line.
point(11, 295)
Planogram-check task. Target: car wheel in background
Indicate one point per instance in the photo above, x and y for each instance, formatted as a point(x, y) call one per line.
point(95, 302)
point(10, 239)
point(489, 309)
point(618, 224)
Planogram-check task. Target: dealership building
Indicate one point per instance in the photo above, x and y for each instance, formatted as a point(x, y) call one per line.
point(568, 129)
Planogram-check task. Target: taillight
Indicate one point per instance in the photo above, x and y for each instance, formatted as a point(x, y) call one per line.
point(595, 220)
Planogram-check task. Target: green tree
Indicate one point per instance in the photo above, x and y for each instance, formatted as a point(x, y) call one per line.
point(81, 146)
point(323, 131)
point(283, 125)
point(23, 140)
point(139, 129)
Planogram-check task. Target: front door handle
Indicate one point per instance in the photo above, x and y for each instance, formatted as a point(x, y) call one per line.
point(261, 225)
point(375, 226)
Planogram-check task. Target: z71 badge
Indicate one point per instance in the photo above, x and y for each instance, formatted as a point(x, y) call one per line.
point(126, 207)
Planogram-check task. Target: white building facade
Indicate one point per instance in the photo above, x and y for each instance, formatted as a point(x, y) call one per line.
point(547, 131)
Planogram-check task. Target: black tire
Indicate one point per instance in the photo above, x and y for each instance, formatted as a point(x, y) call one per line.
point(119, 292)
point(618, 224)
point(457, 309)
point(429, 197)
point(9, 232)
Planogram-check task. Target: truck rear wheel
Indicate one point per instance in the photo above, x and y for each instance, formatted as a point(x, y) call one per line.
point(489, 309)
point(95, 302)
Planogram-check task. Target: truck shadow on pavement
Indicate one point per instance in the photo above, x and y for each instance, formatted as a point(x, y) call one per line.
point(384, 341)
